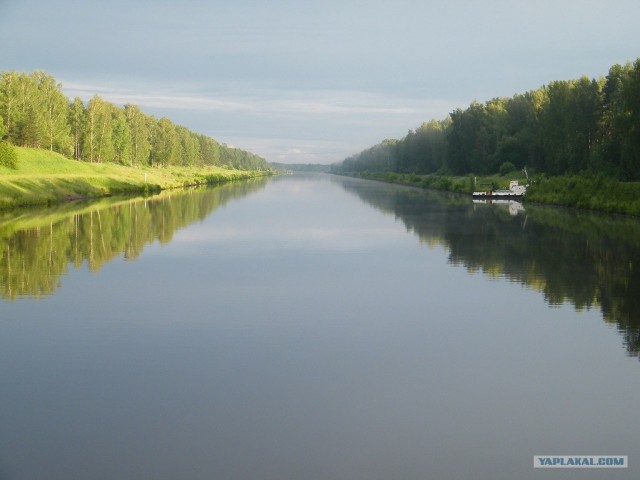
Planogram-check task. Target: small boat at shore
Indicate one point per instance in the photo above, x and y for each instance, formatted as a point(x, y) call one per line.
point(515, 191)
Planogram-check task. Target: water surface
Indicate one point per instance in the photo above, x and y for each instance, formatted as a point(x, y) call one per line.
point(315, 327)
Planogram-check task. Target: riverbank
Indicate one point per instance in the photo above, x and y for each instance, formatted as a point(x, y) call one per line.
point(588, 192)
point(44, 177)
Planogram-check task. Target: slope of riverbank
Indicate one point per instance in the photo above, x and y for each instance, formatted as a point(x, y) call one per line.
point(43, 177)
point(588, 192)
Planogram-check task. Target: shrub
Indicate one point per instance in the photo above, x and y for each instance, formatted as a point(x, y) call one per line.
point(8, 155)
point(507, 167)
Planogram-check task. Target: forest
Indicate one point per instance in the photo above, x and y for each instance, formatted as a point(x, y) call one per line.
point(565, 127)
point(34, 112)
point(301, 167)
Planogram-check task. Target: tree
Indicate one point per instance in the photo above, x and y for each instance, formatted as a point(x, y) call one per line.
point(52, 108)
point(564, 127)
point(209, 150)
point(431, 144)
point(630, 129)
point(8, 103)
point(121, 137)
point(77, 122)
point(189, 147)
point(165, 146)
point(139, 135)
point(26, 123)
point(569, 123)
point(35, 113)
point(517, 143)
point(98, 131)
point(472, 138)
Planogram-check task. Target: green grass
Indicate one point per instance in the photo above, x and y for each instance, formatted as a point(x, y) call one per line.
point(467, 184)
point(591, 192)
point(43, 177)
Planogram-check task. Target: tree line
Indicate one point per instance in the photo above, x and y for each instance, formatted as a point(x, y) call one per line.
point(573, 126)
point(301, 167)
point(35, 113)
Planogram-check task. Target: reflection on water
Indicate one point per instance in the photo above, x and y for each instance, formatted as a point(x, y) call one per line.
point(585, 259)
point(514, 206)
point(299, 332)
point(38, 245)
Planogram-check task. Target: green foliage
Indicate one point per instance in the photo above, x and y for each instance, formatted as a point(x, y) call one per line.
point(77, 121)
point(506, 168)
point(35, 113)
point(301, 167)
point(236, 158)
point(43, 176)
point(139, 135)
point(8, 155)
point(421, 151)
point(566, 127)
point(593, 192)
point(121, 138)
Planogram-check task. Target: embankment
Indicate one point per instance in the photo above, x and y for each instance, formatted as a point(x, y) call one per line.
point(587, 192)
point(44, 177)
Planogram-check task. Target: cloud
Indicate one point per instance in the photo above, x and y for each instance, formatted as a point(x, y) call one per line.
point(289, 126)
point(268, 101)
point(158, 99)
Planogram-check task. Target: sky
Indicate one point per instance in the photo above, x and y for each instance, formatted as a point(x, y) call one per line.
point(312, 81)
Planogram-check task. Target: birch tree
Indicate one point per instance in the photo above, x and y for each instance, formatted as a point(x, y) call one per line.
point(139, 135)
point(98, 131)
point(52, 108)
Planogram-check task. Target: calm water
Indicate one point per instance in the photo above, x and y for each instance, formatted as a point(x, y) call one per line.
point(315, 327)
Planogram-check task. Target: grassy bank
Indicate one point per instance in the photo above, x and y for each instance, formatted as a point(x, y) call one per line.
point(43, 177)
point(589, 192)
point(467, 184)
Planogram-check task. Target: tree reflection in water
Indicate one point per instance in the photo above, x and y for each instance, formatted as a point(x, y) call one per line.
point(585, 259)
point(38, 245)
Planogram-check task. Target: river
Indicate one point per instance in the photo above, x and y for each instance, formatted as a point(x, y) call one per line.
point(315, 327)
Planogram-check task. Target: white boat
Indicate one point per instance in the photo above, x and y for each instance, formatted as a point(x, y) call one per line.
point(514, 206)
point(515, 191)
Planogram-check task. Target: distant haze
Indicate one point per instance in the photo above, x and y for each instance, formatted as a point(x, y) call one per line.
point(313, 81)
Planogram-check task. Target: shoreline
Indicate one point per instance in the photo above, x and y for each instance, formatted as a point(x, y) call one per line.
point(47, 178)
point(582, 192)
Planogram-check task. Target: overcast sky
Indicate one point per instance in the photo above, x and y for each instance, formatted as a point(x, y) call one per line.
point(311, 81)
